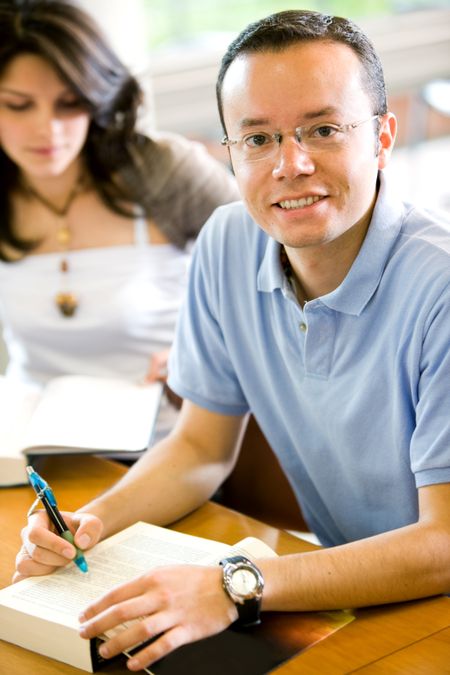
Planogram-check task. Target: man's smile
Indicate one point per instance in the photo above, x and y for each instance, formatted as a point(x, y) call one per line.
point(299, 203)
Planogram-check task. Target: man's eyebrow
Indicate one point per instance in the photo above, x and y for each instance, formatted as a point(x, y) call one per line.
point(249, 122)
point(313, 114)
point(253, 122)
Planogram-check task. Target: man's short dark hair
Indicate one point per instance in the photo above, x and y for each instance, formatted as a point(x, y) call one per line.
point(279, 31)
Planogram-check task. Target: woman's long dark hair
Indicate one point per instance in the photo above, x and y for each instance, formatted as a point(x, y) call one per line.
point(70, 41)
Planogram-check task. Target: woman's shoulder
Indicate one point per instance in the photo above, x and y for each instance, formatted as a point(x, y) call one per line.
point(168, 152)
point(169, 141)
point(182, 168)
point(153, 163)
point(182, 183)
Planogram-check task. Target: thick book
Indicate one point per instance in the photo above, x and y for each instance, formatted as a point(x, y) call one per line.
point(40, 613)
point(73, 414)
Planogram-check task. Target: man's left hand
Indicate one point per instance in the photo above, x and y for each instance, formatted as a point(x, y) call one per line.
point(176, 605)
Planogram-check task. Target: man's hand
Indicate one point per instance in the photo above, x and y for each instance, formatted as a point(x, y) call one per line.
point(43, 550)
point(176, 605)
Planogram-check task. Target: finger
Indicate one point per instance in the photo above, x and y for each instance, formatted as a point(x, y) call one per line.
point(136, 633)
point(162, 646)
point(17, 577)
point(128, 591)
point(47, 547)
point(26, 567)
point(43, 550)
point(39, 517)
point(111, 617)
point(87, 529)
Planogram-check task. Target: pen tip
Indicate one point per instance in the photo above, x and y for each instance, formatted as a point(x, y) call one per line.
point(30, 470)
point(82, 565)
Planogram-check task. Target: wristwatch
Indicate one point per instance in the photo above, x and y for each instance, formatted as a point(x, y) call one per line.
point(243, 583)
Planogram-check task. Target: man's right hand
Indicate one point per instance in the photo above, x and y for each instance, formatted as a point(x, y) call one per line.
point(43, 550)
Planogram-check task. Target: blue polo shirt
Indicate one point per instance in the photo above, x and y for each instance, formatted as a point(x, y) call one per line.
point(353, 392)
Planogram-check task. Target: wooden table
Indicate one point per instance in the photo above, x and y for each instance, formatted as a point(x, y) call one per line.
point(411, 638)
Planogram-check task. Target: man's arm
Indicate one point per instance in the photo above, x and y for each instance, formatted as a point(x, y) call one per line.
point(183, 605)
point(177, 475)
point(173, 478)
point(403, 564)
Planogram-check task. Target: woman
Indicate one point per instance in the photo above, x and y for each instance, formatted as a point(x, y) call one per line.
point(95, 218)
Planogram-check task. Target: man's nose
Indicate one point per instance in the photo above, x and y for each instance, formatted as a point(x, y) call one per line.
point(292, 160)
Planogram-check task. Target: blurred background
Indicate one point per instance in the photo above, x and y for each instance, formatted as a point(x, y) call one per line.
point(174, 47)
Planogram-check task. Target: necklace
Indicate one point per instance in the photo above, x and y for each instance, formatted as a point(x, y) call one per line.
point(290, 276)
point(66, 301)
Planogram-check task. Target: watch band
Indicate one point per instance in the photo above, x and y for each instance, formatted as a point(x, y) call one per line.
point(249, 613)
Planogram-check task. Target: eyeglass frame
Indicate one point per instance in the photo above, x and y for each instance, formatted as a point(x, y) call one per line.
point(297, 134)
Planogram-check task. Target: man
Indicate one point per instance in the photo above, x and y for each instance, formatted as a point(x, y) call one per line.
point(322, 307)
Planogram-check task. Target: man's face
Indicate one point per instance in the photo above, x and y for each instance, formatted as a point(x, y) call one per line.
point(309, 83)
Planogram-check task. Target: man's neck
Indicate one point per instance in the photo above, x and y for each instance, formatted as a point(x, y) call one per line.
point(318, 270)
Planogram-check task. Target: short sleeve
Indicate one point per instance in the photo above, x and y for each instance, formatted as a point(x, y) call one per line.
point(200, 368)
point(430, 443)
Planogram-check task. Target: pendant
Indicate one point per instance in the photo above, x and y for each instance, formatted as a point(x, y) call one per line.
point(67, 303)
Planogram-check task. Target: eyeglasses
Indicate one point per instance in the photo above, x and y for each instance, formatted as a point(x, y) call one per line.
point(317, 138)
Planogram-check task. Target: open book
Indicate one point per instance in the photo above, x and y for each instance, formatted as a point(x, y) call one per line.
point(73, 414)
point(40, 613)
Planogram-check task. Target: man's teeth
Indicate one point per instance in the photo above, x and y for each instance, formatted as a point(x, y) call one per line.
point(299, 203)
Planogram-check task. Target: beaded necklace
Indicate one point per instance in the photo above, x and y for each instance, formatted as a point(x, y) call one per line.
point(66, 301)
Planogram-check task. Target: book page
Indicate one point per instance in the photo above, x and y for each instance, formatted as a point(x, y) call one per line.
point(61, 596)
point(252, 548)
point(98, 414)
point(45, 609)
point(35, 610)
point(17, 404)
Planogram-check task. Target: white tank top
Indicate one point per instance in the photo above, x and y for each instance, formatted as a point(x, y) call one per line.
point(129, 297)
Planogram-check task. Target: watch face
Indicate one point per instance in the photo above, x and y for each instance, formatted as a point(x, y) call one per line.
point(243, 582)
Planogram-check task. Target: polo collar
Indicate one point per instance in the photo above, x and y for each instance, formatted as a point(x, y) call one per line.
point(364, 276)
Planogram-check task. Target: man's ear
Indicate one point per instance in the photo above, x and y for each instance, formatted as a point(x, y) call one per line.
point(386, 138)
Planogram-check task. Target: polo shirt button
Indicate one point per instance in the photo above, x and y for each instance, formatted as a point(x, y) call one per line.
point(303, 327)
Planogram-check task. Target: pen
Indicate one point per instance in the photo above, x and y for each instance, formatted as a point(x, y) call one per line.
point(47, 498)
